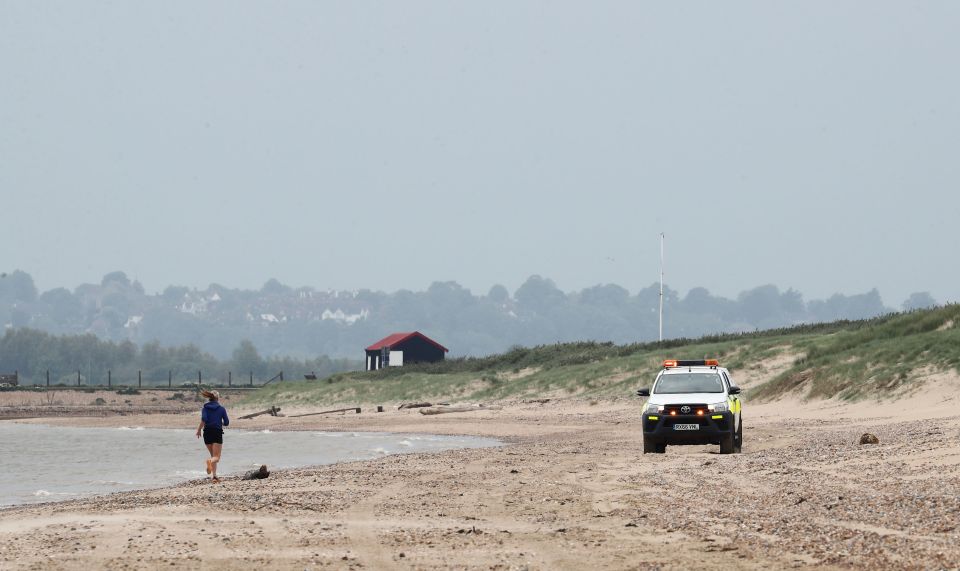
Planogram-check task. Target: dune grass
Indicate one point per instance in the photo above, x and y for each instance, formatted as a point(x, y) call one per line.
point(849, 359)
point(873, 361)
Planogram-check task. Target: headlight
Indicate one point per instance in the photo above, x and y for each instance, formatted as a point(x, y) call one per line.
point(719, 407)
point(653, 409)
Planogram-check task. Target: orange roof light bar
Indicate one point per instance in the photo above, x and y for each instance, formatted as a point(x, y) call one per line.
point(671, 363)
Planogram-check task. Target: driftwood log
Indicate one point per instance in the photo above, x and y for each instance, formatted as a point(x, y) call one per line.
point(272, 411)
point(258, 474)
point(414, 405)
point(446, 409)
point(357, 409)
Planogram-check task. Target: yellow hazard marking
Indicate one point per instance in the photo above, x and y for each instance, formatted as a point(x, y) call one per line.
point(734, 405)
point(654, 417)
point(716, 416)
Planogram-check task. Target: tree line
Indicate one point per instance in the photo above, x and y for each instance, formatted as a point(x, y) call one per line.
point(34, 354)
point(303, 322)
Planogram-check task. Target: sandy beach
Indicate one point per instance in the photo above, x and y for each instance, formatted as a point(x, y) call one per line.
point(568, 490)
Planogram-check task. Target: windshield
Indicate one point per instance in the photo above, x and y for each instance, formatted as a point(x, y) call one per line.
point(677, 383)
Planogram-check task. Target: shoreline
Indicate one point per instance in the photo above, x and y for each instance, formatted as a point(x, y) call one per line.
point(98, 422)
point(569, 489)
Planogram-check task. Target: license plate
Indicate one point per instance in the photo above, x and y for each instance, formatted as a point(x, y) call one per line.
point(686, 427)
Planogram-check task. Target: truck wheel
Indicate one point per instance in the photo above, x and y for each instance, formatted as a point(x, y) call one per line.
point(726, 443)
point(738, 439)
point(653, 447)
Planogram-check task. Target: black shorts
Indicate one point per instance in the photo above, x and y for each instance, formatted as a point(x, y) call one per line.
point(212, 435)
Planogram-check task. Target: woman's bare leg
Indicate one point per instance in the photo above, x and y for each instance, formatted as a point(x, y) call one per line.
point(215, 452)
point(209, 460)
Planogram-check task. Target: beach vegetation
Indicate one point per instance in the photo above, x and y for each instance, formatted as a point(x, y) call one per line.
point(848, 359)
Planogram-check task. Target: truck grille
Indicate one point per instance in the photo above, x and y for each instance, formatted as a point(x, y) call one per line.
point(685, 410)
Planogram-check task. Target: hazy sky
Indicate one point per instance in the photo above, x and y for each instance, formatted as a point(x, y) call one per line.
point(387, 145)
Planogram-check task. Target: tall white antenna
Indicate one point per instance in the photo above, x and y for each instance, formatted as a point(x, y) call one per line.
point(661, 286)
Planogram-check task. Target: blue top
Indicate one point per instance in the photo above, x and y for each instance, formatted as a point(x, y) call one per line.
point(214, 415)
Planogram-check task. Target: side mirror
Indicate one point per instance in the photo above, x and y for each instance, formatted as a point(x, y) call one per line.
point(643, 393)
point(734, 390)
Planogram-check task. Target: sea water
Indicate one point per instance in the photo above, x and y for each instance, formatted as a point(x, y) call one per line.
point(46, 463)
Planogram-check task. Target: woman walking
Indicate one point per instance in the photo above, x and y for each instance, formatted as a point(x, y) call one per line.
point(213, 418)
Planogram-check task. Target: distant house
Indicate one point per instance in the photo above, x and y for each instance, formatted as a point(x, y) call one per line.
point(8, 380)
point(399, 348)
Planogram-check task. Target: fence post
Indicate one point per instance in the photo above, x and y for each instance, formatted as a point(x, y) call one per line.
point(48, 377)
point(139, 378)
point(169, 379)
point(229, 378)
point(251, 378)
point(78, 377)
point(109, 378)
point(199, 377)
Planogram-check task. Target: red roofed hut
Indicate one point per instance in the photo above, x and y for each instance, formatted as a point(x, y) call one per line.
point(400, 348)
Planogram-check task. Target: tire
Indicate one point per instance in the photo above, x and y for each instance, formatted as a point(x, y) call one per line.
point(727, 443)
point(738, 439)
point(653, 447)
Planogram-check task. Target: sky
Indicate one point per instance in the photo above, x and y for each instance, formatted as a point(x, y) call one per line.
point(388, 145)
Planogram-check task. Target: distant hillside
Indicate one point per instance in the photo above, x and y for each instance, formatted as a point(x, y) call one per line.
point(875, 358)
point(305, 322)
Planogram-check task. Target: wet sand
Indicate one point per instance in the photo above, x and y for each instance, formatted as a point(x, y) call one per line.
point(571, 490)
